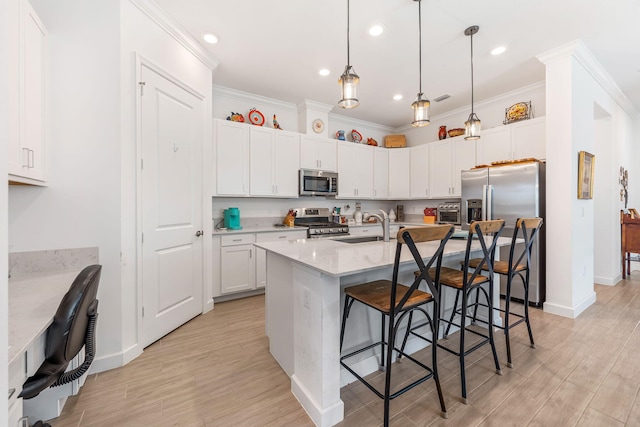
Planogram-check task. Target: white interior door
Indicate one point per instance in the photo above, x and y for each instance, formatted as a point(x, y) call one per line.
point(172, 141)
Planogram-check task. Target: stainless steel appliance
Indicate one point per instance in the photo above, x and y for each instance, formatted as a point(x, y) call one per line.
point(449, 213)
point(318, 183)
point(320, 223)
point(509, 193)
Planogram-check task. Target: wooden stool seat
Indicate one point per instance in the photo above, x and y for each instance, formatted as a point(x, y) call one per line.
point(500, 267)
point(456, 278)
point(378, 295)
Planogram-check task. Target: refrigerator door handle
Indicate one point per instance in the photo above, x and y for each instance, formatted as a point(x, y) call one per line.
point(484, 203)
point(489, 202)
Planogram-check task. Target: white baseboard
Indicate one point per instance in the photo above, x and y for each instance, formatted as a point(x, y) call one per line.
point(570, 312)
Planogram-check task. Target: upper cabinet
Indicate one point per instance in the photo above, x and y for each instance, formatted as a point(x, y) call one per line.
point(318, 153)
point(231, 158)
point(355, 170)
point(273, 162)
point(446, 159)
point(27, 96)
point(399, 173)
point(518, 140)
point(419, 166)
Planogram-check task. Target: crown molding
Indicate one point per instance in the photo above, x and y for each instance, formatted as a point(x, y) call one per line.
point(252, 98)
point(309, 104)
point(361, 123)
point(175, 30)
point(578, 50)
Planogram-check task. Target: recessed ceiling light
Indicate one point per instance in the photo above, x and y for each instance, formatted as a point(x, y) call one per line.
point(498, 50)
point(397, 97)
point(324, 72)
point(210, 38)
point(376, 30)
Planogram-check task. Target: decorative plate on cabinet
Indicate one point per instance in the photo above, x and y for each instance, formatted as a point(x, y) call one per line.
point(256, 117)
point(356, 136)
point(318, 125)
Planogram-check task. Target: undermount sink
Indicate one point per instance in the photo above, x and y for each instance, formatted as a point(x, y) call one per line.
point(362, 239)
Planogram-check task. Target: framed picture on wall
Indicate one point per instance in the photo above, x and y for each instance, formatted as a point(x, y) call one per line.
point(586, 162)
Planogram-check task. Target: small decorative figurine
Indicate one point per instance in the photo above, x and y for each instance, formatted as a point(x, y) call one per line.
point(371, 141)
point(276, 125)
point(236, 117)
point(356, 136)
point(340, 135)
point(256, 117)
point(442, 132)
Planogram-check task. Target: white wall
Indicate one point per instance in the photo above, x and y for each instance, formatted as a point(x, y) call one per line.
point(81, 205)
point(490, 111)
point(4, 257)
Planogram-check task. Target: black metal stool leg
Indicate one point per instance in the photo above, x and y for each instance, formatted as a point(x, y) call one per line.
point(507, 304)
point(475, 307)
point(345, 313)
point(491, 340)
point(434, 356)
point(406, 336)
point(453, 313)
point(526, 309)
point(463, 379)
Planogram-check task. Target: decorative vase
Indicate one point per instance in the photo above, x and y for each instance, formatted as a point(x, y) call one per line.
point(340, 135)
point(442, 133)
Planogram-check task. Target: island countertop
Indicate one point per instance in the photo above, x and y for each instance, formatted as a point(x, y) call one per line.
point(337, 258)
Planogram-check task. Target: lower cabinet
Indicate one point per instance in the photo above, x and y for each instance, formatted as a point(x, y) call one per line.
point(241, 266)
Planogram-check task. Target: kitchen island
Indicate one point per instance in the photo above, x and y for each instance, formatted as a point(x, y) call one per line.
point(304, 293)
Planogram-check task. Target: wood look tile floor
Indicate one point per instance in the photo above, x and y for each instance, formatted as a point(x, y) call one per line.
point(216, 370)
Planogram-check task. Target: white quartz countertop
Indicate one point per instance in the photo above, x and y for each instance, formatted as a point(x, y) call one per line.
point(337, 258)
point(258, 229)
point(33, 301)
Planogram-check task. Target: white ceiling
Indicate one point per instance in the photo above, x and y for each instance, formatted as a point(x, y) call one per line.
point(275, 48)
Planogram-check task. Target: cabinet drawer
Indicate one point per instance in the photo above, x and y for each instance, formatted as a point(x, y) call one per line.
point(282, 236)
point(237, 239)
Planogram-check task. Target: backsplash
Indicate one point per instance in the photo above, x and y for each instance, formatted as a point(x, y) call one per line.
point(21, 263)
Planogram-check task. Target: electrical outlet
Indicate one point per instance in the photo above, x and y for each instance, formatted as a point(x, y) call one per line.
point(305, 297)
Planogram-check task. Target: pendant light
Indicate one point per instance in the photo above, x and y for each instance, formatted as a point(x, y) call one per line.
point(472, 125)
point(421, 104)
point(349, 80)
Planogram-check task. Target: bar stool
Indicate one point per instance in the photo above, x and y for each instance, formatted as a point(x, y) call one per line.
point(395, 301)
point(464, 282)
point(518, 265)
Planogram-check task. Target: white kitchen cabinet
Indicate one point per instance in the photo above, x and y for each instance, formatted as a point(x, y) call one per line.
point(261, 254)
point(380, 173)
point(518, 140)
point(355, 170)
point(273, 163)
point(446, 159)
point(232, 158)
point(237, 263)
point(399, 173)
point(27, 94)
point(318, 153)
point(419, 171)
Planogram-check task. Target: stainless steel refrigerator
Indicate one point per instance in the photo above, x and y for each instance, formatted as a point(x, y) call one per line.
point(509, 193)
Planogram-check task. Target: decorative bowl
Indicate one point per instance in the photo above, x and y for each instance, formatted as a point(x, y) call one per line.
point(455, 132)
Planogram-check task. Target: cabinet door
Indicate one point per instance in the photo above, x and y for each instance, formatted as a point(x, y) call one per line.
point(286, 155)
point(232, 158)
point(364, 171)
point(528, 139)
point(261, 162)
point(420, 172)
point(380, 173)
point(327, 155)
point(309, 152)
point(440, 154)
point(494, 145)
point(399, 173)
point(237, 268)
point(346, 170)
point(463, 158)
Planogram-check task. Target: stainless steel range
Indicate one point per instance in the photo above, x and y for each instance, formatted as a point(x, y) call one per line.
point(320, 223)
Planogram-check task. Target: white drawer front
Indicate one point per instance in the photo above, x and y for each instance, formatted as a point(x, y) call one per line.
point(237, 239)
point(281, 236)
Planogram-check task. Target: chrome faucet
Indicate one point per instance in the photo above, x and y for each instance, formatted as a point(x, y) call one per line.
point(384, 220)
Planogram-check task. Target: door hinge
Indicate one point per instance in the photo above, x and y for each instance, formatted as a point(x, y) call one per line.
point(142, 311)
point(142, 237)
point(141, 164)
point(142, 87)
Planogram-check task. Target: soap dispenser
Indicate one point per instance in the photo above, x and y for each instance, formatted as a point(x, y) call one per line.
point(358, 215)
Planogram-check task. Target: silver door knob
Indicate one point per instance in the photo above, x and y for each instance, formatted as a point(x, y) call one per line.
point(199, 233)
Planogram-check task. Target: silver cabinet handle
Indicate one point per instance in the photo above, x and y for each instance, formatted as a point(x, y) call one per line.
point(27, 158)
point(31, 159)
point(199, 233)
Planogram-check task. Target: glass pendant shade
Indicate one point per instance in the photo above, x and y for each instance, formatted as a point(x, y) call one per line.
point(420, 111)
point(472, 127)
point(349, 81)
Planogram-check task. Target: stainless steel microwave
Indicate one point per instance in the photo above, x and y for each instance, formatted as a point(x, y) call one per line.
point(318, 183)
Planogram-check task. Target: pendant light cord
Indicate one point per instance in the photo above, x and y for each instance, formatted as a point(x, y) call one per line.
point(420, 42)
point(472, 73)
point(348, 20)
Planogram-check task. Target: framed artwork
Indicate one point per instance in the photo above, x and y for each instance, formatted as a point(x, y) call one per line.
point(586, 162)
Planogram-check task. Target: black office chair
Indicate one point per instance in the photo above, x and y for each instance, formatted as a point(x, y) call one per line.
point(73, 327)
